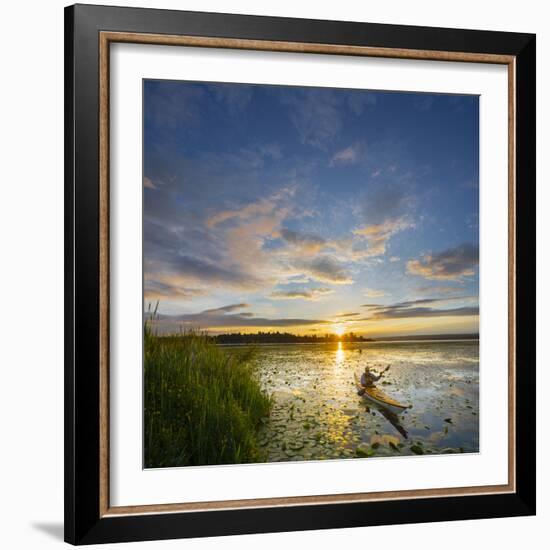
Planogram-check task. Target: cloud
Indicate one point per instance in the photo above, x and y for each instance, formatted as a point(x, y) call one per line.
point(422, 301)
point(349, 155)
point(386, 211)
point(226, 309)
point(422, 312)
point(394, 259)
point(159, 290)
point(312, 294)
point(362, 243)
point(214, 211)
point(439, 289)
point(452, 264)
point(295, 279)
point(352, 314)
point(262, 207)
point(225, 249)
point(433, 301)
point(421, 308)
point(373, 293)
point(307, 242)
point(147, 183)
point(378, 235)
point(228, 248)
point(385, 202)
point(205, 271)
point(226, 318)
point(183, 253)
point(326, 269)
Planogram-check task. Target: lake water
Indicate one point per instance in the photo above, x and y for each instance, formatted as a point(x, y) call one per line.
point(317, 413)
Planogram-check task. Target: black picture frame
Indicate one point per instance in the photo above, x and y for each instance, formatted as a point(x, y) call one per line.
point(84, 523)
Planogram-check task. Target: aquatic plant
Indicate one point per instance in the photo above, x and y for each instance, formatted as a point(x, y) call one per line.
point(201, 404)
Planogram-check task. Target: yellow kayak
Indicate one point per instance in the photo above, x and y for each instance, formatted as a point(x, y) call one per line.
point(377, 396)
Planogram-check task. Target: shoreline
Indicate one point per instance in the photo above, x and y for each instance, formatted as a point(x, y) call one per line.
point(371, 342)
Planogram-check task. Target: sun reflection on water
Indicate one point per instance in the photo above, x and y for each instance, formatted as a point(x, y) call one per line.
point(340, 355)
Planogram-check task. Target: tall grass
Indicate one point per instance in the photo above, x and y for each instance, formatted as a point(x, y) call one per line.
point(202, 405)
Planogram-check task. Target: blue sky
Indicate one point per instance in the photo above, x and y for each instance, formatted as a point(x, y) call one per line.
point(310, 209)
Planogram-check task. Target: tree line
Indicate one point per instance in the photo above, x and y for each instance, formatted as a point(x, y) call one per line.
point(286, 338)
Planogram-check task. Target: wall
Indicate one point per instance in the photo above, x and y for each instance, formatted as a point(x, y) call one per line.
point(31, 211)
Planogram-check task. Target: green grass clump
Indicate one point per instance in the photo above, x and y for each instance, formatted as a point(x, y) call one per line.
point(202, 405)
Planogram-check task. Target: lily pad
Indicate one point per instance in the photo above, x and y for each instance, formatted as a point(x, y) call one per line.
point(362, 452)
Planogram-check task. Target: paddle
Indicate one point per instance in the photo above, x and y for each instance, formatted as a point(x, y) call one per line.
point(384, 371)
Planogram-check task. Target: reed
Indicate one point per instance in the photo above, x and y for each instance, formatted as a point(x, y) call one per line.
point(201, 404)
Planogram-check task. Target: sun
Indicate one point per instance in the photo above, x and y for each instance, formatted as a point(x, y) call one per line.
point(339, 330)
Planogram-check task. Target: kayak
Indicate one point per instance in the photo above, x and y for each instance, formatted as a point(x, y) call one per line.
point(378, 397)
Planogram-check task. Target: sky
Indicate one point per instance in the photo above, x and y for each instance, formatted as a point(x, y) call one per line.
point(310, 210)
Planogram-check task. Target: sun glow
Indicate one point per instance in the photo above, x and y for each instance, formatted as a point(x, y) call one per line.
point(339, 330)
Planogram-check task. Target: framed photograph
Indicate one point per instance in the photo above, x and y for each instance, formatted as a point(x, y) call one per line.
point(300, 274)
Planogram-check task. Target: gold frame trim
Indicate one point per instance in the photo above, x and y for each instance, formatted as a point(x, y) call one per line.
point(105, 39)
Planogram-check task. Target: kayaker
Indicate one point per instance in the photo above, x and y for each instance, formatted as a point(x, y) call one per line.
point(368, 378)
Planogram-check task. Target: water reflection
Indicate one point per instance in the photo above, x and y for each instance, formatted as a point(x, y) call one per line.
point(340, 355)
point(393, 419)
